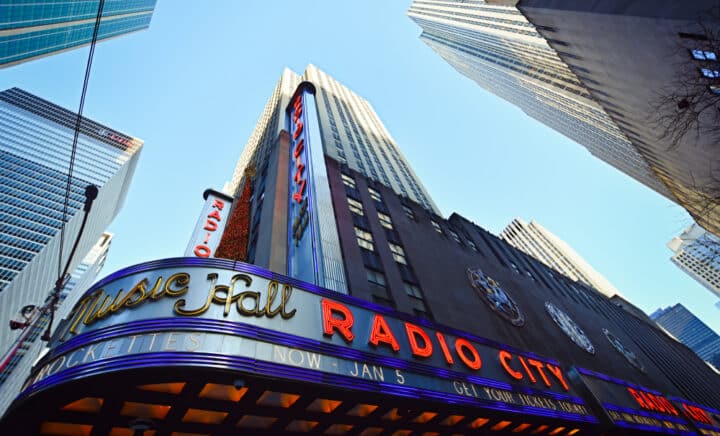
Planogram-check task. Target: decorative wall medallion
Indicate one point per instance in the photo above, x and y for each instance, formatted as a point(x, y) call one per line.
point(568, 326)
point(495, 297)
point(629, 355)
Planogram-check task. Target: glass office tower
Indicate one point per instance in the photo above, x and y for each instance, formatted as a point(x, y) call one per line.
point(35, 144)
point(689, 330)
point(30, 30)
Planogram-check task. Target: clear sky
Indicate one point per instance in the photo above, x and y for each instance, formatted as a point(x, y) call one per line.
point(194, 84)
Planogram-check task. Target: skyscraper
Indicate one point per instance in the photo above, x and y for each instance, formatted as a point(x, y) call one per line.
point(538, 242)
point(36, 137)
point(667, 109)
point(17, 365)
point(498, 48)
point(31, 30)
point(689, 330)
point(365, 312)
point(697, 252)
point(345, 128)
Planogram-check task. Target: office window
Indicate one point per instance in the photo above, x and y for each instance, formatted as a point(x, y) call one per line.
point(707, 72)
point(436, 226)
point(409, 212)
point(413, 290)
point(398, 253)
point(348, 181)
point(355, 207)
point(365, 239)
point(455, 236)
point(704, 55)
point(385, 220)
point(375, 195)
point(375, 277)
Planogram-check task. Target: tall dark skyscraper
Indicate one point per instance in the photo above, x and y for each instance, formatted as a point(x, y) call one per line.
point(31, 30)
point(589, 70)
point(689, 330)
point(340, 302)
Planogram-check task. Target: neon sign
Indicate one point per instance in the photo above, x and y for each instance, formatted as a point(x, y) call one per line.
point(209, 228)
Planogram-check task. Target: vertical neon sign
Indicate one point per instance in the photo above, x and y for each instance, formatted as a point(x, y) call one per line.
point(302, 248)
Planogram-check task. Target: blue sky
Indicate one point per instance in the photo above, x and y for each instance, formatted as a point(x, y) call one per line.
point(194, 84)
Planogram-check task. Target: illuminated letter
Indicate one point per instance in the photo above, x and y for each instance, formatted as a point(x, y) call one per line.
point(527, 370)
point(210, 226)
point(504, 356)
point(330, 323)
point(298, 148)
point(217, 204)
point(214, 214)
point(557, 372)
point(413, 330)
point(460, 346)
point(444, 348)
point(298, 130)
point(635, 394)
point(380, 332)
point(539, 366)
point(202, 251)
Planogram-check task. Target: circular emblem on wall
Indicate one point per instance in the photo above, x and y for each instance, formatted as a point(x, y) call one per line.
point(495, 297)
point(629, 355)
point(572, 330)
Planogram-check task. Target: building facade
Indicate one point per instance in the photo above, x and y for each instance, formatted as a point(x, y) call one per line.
point(440, 327)
point(35, 145)
point(668, 111)
point(16, 365)
point(697, 252)
point(537, 241)
point(689, 330)
point(31, 30)
point(494, 45)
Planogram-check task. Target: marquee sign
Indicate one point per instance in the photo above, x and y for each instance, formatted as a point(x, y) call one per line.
point(635, 407)
point(495, 297)
point(236, 311)
point(705, 419)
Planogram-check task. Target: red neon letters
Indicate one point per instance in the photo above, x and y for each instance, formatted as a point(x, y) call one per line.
point(652, 402)
point(338, 318)
point(211, 225)
point(298, 150)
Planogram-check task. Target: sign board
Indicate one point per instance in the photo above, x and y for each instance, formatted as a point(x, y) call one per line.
point(239, 311)
point(634, 407)
point(209, 228)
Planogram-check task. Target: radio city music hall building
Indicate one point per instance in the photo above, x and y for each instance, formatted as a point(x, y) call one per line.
point(323, 293)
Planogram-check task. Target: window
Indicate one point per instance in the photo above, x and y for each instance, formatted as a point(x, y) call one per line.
point(436, 226)
point(455, 236)
point(356, 207)
point(348, 181)
point(385, 221)
point(375, 277)
point(398, 253)
point(375, 195)
point(704, 55)
point(715, 89)
point(365, 239)
point(707, 72)
point(472, 245)
point(409, 212)
point(413, 290)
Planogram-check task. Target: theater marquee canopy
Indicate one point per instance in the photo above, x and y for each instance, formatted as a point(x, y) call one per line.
point(207, 346)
